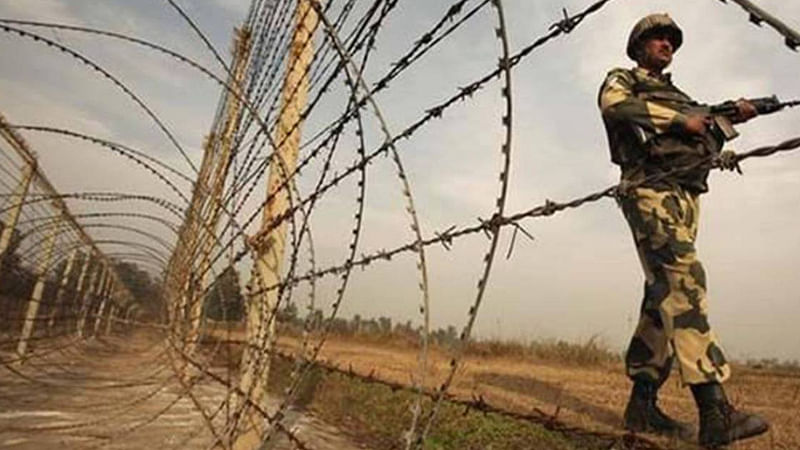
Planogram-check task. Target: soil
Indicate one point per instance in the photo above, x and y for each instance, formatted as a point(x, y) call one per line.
point(120, 393)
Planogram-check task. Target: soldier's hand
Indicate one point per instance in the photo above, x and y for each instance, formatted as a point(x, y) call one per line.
point(746, 111)
point(727, 160)
point(697, 124)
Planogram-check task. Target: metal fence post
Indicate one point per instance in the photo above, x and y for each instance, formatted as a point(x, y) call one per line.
point(105, 293)
point(270, 243)
point(62, 286)
point(38, 289)
point(110, 319)
point(88, 298)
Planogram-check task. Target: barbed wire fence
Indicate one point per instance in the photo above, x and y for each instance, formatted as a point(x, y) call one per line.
point(296, 66)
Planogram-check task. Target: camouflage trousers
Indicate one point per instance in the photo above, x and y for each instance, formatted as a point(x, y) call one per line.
point(673, 323)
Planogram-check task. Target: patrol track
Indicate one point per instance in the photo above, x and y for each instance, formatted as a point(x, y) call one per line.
point(209, 225)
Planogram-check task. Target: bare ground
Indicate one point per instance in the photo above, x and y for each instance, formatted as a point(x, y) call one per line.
point(119, 393)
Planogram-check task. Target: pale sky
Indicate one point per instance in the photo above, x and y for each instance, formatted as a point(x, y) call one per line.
point(580, 277)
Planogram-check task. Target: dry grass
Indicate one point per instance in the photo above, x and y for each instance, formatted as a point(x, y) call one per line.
point(587, 395)
point(583, 384)
point(591, 353)
point(379, 417)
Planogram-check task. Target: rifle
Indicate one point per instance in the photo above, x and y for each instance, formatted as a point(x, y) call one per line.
point(722, 113)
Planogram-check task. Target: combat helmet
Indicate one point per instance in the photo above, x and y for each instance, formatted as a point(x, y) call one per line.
point(647, 25)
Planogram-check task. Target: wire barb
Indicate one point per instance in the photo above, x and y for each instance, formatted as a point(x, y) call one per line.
point(565, 25)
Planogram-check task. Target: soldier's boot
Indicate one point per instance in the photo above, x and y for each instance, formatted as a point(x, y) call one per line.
point(642, 415)
point(720, 422)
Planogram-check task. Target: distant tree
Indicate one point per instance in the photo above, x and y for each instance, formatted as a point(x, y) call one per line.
point(445, 336)
point(385, 325)
point(10, 258)
point(404, 328)
point(316, 319)
point(145, 291)
point(16, 281)
point(340, 325)
point(289, 314)
point(370, 326)
point(224, 300)
point(452, 334)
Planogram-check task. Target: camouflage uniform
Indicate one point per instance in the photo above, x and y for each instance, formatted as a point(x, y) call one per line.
point(644, 114)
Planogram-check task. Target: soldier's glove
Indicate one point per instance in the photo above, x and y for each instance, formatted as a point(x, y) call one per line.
point(624, 188)
point(727, 160)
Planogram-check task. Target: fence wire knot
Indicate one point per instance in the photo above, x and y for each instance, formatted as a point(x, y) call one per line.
point(492, 226)
point(565, 25)
point(445, 237)
point(550, 207)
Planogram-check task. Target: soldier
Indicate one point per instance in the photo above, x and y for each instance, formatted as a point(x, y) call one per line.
point(652, 131)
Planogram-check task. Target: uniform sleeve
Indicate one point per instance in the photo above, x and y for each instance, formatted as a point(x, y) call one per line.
point(618, 104)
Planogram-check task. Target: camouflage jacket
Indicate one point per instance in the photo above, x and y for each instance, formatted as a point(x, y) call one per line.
point(644, 116)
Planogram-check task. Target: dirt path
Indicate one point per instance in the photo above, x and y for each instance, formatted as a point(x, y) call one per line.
point(120, 393)
point(589, 397)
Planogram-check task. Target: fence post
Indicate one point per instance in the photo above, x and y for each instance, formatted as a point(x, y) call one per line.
point(38, 289)
point(110, 319)
point(105, 293)
point(214, 203)
point(91, 290)
point(77, 300)
point(62, 287)
point(270, 243)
